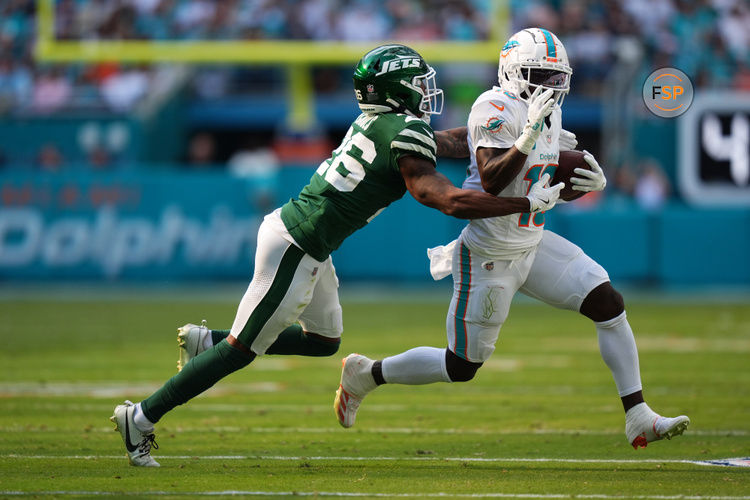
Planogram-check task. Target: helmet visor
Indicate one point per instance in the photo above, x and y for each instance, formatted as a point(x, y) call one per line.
point(548, 78)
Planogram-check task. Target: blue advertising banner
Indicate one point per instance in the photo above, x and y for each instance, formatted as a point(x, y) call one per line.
point(171, 225)
point(139, 225)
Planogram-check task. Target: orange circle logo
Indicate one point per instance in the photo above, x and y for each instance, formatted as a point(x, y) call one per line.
point(668, 92)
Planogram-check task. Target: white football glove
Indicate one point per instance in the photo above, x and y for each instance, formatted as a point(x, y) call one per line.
point(540, 106)
point(568, 141)
point(589, 180)
point(543, 197)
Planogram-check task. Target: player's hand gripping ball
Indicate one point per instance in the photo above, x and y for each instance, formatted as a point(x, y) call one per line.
point(588, 178)
point(569, 160)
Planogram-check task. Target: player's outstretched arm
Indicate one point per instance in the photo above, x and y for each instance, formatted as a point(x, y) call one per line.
point(433, 189)
point(452, 143)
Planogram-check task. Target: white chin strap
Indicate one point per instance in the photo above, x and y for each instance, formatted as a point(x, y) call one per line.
point(425, 116)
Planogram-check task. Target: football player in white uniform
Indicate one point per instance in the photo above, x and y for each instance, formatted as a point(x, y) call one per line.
point(514, 137)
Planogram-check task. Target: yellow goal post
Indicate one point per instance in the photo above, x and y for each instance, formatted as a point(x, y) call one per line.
point(296, 56)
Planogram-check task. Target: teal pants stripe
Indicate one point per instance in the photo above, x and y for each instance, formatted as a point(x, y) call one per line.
point(463, 302)
point(273, 297)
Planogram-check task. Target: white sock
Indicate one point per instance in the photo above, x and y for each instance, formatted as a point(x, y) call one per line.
point(641, 411)
point(421, 365)
point(144, 424)
point(617, 346)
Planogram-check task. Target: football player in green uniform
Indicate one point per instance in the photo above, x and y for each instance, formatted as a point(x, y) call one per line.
point(291, 305)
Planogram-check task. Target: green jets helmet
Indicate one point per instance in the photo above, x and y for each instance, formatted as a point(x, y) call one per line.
point(395, 78)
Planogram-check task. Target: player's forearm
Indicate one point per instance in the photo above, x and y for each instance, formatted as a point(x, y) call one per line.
point(498, 171)
point(452, 143)
point(436, 191)
point(470, 204)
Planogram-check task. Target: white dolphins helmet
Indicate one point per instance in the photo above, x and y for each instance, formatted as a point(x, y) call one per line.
point(534, 57)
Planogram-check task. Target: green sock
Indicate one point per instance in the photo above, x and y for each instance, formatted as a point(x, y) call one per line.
point(202, 372)
point(219, 335)
point(295, 341)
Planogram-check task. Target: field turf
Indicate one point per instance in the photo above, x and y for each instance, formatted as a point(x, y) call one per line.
point(541, 419)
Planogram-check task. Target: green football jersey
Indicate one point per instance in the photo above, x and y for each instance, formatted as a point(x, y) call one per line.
point(360, 179)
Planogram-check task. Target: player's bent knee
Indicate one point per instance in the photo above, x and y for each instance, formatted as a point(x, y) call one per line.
point(329, 349)
point(459, 369)
point(322, 345)
point(603, 303)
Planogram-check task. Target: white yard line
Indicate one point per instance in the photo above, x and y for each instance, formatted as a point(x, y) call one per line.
point(118, 390)
point(370, 459)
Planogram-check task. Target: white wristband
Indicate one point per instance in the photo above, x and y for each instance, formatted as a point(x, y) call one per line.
point(526, 142)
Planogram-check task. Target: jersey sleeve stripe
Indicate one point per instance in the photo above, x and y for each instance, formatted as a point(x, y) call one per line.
point(407, 146)
point(416, 135)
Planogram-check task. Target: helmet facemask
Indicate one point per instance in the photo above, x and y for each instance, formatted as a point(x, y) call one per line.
point(526, 79)
point(558, 81)
point(432, 96)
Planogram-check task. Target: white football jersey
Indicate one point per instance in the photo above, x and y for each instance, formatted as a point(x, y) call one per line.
point(497, 119)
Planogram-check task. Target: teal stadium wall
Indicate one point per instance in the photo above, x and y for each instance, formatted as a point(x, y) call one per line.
point(171, 225)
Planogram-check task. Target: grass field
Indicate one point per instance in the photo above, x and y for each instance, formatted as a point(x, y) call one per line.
point(541, 419)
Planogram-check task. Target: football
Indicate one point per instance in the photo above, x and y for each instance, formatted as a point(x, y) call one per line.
point(569, 160)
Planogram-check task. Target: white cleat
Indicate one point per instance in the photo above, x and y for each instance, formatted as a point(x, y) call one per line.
point(643, 425)
point(190, 339)
point(137, 443)
point(356, 382)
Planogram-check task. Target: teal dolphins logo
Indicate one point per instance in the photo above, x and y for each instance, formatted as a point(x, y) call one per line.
point(494, 124)
point(509, 45)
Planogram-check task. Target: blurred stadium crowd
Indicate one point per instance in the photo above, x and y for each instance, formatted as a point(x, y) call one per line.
point(271, 19)
point(29, 86)
point(708, 39)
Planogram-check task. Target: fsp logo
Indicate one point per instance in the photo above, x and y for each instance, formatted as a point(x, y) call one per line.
point(670, 92)
point(667, 92)
point(394, 64)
